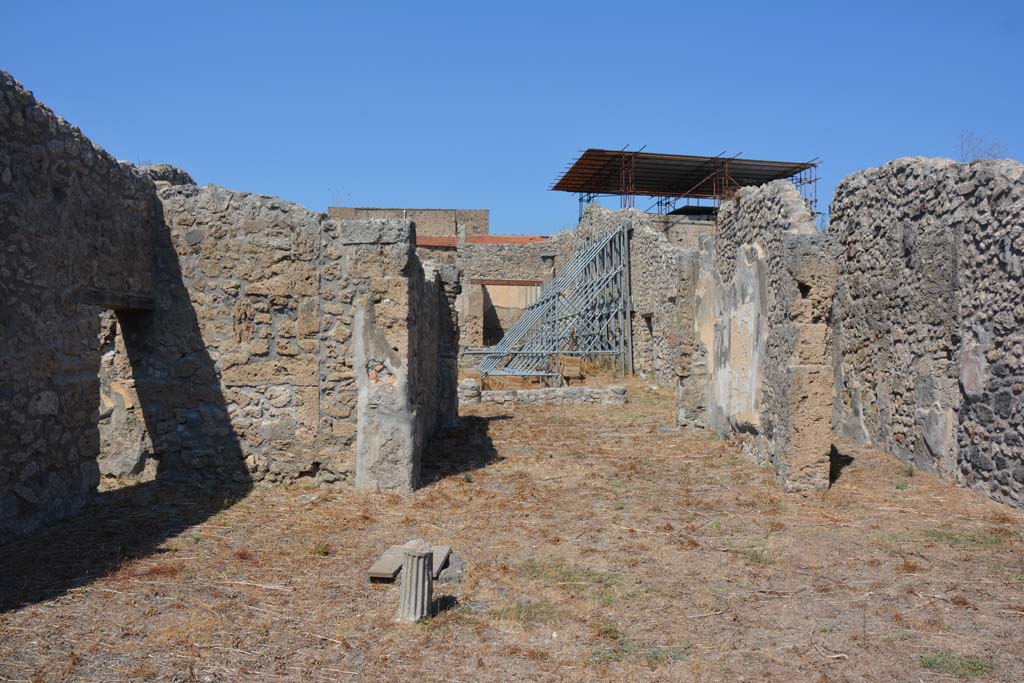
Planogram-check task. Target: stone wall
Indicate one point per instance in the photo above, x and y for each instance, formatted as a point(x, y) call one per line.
point(518, 261)
point(684, 231)
point(154, 329)
point(929, 348)
point(274, 290)
point(76, 232)
point(762, 296)
point(479, 320)
point(447, 255)
point(428, 221)
point(404, 398)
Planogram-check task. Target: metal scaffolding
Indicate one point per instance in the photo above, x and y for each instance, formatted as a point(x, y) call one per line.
point(669, 178)
point(584, 311)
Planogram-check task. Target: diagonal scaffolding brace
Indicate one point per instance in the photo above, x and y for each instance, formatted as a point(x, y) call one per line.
point(584, 311)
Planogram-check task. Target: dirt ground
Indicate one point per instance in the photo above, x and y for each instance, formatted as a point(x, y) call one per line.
point(600, 544)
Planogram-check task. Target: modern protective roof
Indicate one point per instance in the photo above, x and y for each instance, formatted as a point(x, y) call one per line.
point(603, 171)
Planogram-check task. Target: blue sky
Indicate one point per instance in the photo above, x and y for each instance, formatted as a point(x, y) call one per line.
point(480, 105)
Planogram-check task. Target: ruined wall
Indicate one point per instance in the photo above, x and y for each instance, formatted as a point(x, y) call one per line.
point(153, 329)
point(761, 303)
point(929, 352)
point(436, 254)
point(75, 231)
point(273, 291)
point(406, 382)
point(526, 261)
point(684, 231)
point(428, 221)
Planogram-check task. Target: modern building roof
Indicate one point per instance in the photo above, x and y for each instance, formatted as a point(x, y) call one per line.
point(620, 172)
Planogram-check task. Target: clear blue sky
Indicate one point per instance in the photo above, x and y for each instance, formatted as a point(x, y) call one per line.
point(481, 104)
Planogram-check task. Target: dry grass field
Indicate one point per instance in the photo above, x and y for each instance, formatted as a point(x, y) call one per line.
point(599, 543)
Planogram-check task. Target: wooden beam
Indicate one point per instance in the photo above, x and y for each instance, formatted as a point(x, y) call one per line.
point(117, 301)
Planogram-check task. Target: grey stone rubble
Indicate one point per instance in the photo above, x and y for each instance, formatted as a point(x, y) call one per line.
point(453, 571)
point(470, 392)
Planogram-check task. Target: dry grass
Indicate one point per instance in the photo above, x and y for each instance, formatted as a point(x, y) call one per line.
point(599, 547)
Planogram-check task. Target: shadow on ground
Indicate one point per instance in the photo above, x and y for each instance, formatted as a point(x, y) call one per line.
point(186, 417)
point(463, 448)
point(837, 460)
point(120, 526)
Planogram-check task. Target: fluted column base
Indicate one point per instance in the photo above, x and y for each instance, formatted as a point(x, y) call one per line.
point(417, 581)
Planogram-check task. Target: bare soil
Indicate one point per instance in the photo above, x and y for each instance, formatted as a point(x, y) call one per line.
point(600, 544)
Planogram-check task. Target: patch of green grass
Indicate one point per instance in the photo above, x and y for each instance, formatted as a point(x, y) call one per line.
point(897, 636)
point(758, 556)
point(467, 477)
point(964, 539)
point(527, 613)
point(898, 544)
point(902, 486)
point(956, 665)
point(573, 579)
point(624, 649)
point(322, 549)
point(909, 471)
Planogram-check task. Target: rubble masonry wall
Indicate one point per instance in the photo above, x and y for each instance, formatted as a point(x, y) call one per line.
point(75, 229)
point(274, 289)
point(929, 317)
point(433, 222)
point(156, 329)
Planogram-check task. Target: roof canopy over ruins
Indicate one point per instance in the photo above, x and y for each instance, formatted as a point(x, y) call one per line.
point(670, 177)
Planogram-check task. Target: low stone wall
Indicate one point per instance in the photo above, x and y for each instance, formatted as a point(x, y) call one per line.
point(761, 303)
point(470, 393)
point(929, 319)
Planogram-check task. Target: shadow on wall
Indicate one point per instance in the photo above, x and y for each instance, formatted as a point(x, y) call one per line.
point(187, 418)
point(493, 331)
point(461, 449)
